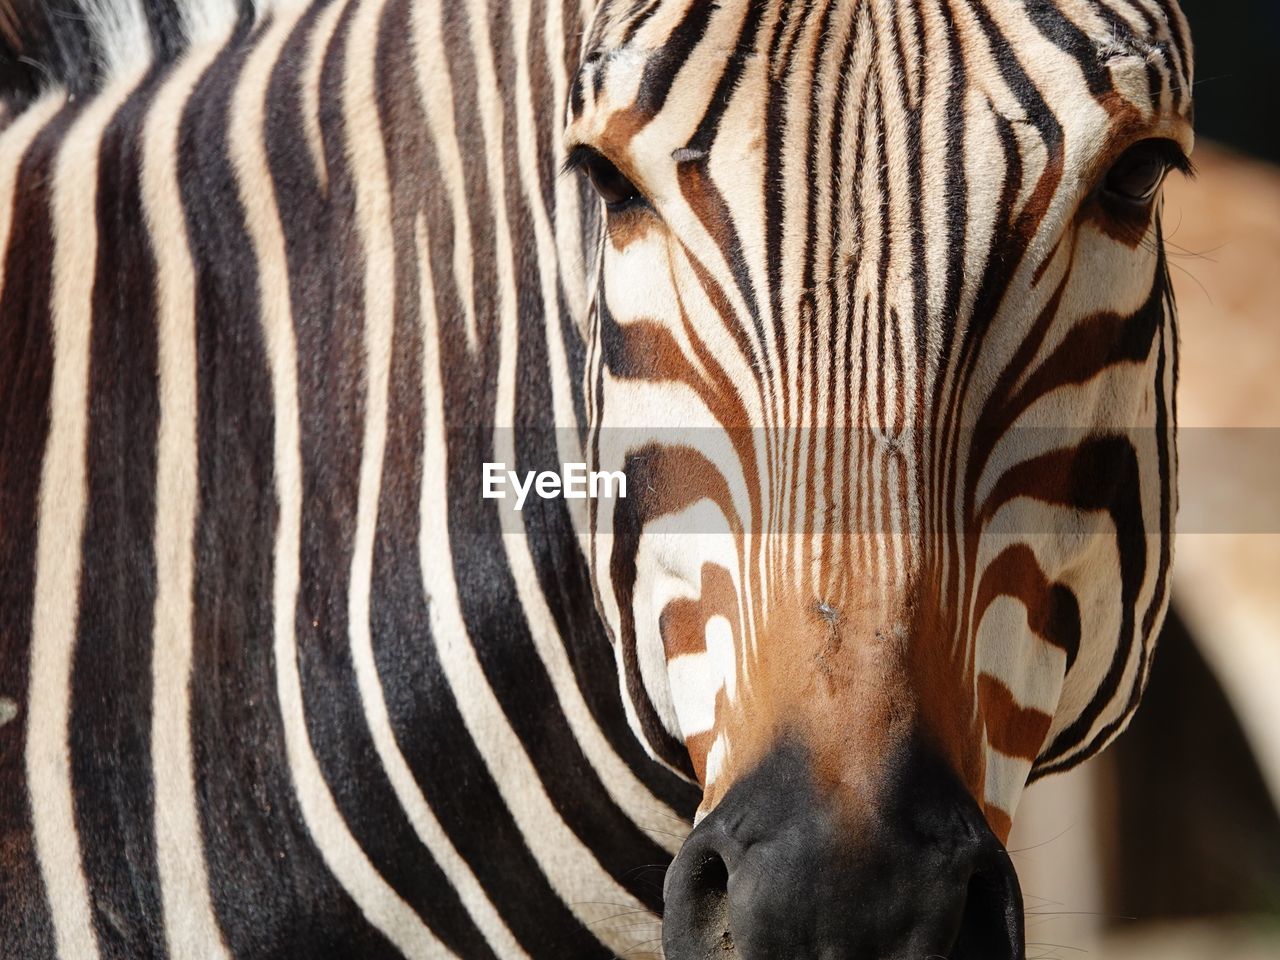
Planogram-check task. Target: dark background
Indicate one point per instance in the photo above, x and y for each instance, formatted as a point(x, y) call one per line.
point(1237, 53)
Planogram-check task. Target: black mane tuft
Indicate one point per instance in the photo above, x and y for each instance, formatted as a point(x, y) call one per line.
point(50, 43)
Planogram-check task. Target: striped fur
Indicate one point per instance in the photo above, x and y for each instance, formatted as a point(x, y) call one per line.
point(278, 280)
point(876, 253)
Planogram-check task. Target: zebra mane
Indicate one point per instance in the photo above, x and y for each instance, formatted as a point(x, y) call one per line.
point(77, 45)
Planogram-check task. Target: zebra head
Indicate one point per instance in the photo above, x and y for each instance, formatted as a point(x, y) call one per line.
point(882, 337)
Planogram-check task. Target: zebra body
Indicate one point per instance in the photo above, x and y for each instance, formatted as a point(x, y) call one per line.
point(274, 293)
point(240, 332)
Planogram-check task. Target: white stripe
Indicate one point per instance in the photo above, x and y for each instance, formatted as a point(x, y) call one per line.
point(119, 30)
point(191, 929)
point(1004, 781)
point(381, 905)
point(1006, 649)
point(63, 495)
point(698, 678)
point(206, 21)
point(717, 758)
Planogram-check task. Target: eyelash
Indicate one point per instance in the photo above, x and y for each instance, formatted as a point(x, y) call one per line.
point(605, 177)
point(1156, 157)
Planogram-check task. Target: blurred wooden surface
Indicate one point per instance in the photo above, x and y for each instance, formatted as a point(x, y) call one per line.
point(1222, 231)
point(1189, 940)
point(1223, 237)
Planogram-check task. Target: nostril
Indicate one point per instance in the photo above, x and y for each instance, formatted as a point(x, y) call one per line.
point(991, 925)
point(710, 883)
point(696, 924)
point(711, 876)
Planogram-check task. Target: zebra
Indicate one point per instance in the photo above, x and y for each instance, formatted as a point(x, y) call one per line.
point(866, 300)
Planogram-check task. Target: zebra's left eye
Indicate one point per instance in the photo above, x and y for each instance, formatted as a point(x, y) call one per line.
point(614, 189)
point(1137, 175)
point(609, 182)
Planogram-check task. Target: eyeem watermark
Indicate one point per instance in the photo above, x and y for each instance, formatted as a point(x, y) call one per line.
point(573, 482)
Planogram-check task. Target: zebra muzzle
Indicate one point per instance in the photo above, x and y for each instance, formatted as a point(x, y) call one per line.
point(782, 869)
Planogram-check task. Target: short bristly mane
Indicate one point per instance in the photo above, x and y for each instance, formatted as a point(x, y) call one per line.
point(77, 45)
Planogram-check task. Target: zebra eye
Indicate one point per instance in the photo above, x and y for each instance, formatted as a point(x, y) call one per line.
point(614, 188)
point(1137, 175)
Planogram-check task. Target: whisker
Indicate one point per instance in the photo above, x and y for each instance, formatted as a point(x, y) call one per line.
point(1056, 946)
point(1043, 843)
point(643, 943)
point(618, 916)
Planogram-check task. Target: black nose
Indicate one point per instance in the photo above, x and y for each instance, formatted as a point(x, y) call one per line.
point(777, 872)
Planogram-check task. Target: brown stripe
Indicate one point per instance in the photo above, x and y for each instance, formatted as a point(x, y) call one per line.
point(1013, 729)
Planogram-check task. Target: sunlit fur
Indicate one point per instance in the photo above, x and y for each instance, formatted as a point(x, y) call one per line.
point(877, 326)
point(891, 378)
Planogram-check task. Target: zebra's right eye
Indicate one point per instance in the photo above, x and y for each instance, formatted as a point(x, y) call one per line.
point(1137, 175)
point(609, 182)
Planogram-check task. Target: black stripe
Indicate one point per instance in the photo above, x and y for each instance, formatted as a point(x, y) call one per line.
point(110, 723)
point(1181, 65)
point(956, 191)
point(915, 190)
point(639, 17)
point(563, 573)
point(165, 27)
point(663, 64)
point(1105, 476)
point(428, 724)
point(1055, 26)
point(775, 126)
point(701, 142)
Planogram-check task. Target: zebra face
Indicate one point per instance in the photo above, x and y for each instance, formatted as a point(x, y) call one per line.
point(883, 339)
